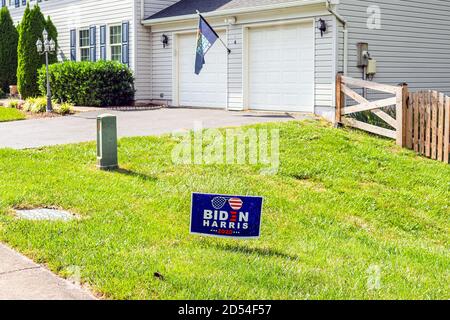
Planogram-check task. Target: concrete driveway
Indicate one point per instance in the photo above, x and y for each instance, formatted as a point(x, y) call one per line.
point(82, 127)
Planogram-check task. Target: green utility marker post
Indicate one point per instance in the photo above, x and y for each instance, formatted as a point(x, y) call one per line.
point(107, 142)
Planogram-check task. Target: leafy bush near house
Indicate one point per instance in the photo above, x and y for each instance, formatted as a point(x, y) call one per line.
point(35, 105)
point(63, 108)
point(102, 83)
point(39, 105)
point(2, 94)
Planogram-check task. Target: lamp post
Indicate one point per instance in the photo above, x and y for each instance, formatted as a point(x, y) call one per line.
point(46, 47)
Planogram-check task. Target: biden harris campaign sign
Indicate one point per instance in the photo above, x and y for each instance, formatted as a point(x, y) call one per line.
point(226, 216)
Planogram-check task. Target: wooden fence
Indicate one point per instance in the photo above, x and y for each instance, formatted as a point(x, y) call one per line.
point(422, 119)
point(428, 124)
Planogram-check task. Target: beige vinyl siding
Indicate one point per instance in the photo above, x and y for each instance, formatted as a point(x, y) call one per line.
point(161, 67)
point(324, 65)
point(67, 15)
point(143, 56)
point(412, 45)
point(144, 44)
point(235, 68)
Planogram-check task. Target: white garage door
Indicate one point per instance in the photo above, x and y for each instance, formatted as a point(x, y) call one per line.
point(209, 89)
point(281, 68)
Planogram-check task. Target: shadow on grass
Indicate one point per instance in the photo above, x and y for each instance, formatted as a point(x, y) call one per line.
point(259, 251)
point(134, 174)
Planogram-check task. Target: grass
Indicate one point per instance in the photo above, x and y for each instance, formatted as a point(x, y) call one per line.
point(344, 209)
point(11, 114)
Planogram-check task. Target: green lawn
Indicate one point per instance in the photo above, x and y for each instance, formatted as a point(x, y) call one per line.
point(10, 114)
point(344, 207)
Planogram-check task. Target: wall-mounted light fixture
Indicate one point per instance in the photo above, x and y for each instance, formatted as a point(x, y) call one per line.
point(322, 27)
point(165, 40)
point(231, 21)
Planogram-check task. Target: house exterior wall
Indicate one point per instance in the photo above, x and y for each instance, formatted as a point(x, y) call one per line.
point(144, 47)
point(411, 45)
point(325, 48)
point(70, 14)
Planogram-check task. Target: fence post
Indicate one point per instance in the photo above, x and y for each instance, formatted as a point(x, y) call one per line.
point(447, 130)
point(409, 121)
point(340, 99)
point(401, 109)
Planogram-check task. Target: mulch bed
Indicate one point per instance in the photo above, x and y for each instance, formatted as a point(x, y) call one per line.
point(31, 115)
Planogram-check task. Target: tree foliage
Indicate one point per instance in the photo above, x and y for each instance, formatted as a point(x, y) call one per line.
point(52, 34)
point(29, 60)
point(8, 50)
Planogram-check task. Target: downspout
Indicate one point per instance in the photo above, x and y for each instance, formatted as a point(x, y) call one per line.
point(142, 11)
point(344, 24)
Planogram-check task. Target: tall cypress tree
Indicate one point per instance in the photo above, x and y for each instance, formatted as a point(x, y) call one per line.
point(8, 50)
point(52, 34)
point(29, 60)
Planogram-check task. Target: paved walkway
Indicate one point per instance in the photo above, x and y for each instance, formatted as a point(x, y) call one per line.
point(82, 127)
point(22, 279)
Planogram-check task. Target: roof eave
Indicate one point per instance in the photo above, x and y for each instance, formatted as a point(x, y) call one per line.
point(302, 3)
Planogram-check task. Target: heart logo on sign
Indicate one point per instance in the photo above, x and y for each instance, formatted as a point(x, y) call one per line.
point(235, 203)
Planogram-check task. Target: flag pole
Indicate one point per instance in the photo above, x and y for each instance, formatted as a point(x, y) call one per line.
point(228, 49)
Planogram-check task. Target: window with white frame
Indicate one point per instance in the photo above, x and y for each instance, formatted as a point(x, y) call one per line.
point(115, 42)
point(85, 51)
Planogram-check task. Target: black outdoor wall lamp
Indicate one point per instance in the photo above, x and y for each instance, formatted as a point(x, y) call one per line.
point(165, 40)
point(322, 27)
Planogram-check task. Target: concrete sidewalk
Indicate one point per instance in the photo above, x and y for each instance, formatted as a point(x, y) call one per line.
point(82, 127)
point(22, 279)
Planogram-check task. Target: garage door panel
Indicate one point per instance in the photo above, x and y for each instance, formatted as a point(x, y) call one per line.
point(208, 89)
point(281, 68)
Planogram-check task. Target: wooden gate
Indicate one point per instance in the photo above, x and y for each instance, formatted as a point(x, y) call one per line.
point(422, 119)
point(399, 99)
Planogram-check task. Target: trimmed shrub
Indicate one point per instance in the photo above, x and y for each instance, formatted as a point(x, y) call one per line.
point(8, 50)
point(97, 84)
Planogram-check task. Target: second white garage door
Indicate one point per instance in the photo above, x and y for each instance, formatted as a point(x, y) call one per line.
point(209, 89)
point(281, 68)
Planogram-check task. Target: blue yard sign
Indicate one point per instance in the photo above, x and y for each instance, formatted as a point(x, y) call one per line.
point(226, 216)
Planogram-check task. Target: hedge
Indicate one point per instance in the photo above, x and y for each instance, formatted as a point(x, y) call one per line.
point(97, 84)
